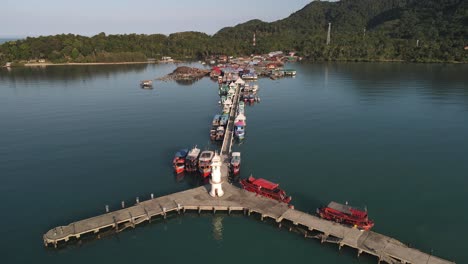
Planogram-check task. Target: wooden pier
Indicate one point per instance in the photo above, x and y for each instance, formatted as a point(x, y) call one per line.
point(386, 249)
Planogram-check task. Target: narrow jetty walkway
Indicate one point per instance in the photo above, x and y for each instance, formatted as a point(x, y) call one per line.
point(386, 249)
point(226, 147)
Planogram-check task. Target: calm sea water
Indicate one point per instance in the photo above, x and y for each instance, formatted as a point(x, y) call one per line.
point(392, 137)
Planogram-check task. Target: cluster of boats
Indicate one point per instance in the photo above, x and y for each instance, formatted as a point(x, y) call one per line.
point(340, 213)
point(195, 160)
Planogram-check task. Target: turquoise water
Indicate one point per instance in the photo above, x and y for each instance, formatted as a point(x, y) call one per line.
point(391, 137)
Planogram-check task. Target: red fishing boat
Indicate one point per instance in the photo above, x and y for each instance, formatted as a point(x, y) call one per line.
point(345, 214)
point(265, 188)
point(179, 161)
point(191, 161)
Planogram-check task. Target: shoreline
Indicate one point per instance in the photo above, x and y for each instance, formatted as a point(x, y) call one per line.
point(176, 62)
point(85, 63)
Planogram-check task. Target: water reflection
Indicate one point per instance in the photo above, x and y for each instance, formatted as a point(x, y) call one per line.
point(61, 73)
point(218, 227)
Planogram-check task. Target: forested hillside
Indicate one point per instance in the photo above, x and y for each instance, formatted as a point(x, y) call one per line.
point(363, 30)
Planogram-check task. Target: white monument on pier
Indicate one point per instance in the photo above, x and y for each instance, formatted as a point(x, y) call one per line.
point(216, 181)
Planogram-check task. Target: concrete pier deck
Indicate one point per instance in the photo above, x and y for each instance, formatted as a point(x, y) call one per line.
point(386, 249)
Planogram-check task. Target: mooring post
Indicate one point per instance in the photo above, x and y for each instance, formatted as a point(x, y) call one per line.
point(359, 252)
point(164, 212)
point(152, 196)
point(214, 210)
point(199, 210)
point(123, 204)
point(138, 200)
point(107, 208)
point(229, 210)
point(178, 208)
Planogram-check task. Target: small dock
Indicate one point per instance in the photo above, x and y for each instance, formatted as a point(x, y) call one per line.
point(386, 249)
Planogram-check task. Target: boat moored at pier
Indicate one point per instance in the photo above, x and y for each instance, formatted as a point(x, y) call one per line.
point(265, 188)
point(235, 163)
point(179, 160)
point(204, 163)
point(191, 161)
point(345, 214)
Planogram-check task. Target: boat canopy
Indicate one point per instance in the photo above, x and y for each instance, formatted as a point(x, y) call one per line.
point(240, 81)
point(265, 184)
point(346, 209)
point(239, 124)
point(232, 85)
point(236, 154)
point(181, 153)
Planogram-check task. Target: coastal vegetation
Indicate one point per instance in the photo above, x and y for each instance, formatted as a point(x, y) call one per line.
point(361, 30)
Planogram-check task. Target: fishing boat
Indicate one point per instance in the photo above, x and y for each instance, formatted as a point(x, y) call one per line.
point(215, 121)
point(250, 76)
point(245, 97)
point(146, 84)
point(191, 161)
point(223, 99)
point(224, 120)
point(228, 103)
point(235, 163)
point(265, 188)
point(179, 160)
point(204, 163)
point(239, 131)
point(223, 90)
point(345, 214)
point(219, 133)
point(213, 132)
point(255, 88)
point(251, 98)
point(289, 72)
point(240, 119)
point(240, 108)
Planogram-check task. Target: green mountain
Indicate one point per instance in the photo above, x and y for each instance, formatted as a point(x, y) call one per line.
point(362, 30)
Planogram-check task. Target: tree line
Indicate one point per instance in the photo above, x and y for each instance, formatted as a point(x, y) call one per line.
point(362, 30)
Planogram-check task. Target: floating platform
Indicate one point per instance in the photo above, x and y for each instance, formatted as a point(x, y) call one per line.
point(386, 249)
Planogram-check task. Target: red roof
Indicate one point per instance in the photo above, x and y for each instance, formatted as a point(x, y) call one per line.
point(265, 184)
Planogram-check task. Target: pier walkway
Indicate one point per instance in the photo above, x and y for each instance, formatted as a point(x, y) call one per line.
point(386, 249)
point(226, 147)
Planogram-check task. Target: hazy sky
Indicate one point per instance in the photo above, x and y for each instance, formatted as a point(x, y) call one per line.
point(89, 17)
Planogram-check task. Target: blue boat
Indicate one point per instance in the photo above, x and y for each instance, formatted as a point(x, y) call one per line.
point(224, 120)
point(239, 130)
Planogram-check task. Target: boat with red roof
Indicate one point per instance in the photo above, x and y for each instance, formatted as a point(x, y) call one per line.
point(265, 188)
point(345, 214)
